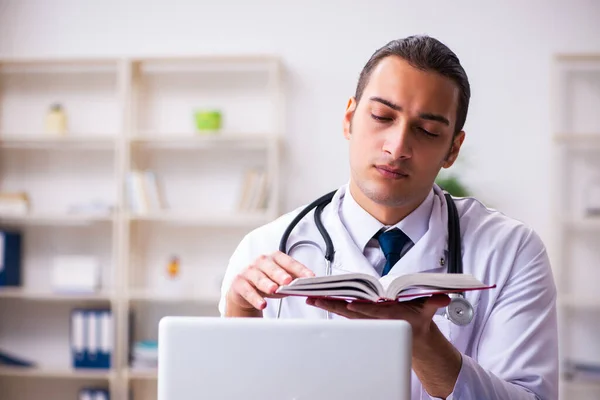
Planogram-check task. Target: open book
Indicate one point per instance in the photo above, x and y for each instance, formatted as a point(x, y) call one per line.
point(389, 288)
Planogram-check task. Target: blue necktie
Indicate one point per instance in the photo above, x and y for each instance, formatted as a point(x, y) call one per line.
point(392, 242)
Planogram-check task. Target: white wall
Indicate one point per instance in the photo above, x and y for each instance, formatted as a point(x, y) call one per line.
point(505, 47)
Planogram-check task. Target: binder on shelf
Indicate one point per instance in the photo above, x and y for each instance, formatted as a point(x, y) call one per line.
point(91, 338)
point(10, 258)
point(105, 347)
point(93, 394)
point(78, 339)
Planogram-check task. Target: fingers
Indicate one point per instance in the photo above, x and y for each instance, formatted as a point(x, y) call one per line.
point(438, 301)
point(260, 280)
point(375, 310)
point(274, 271)
point(423, 308)
point(248, 293)
point(339, 307)
point(292, 266)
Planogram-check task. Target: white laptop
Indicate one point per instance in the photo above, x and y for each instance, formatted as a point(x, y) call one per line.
point(285, 359)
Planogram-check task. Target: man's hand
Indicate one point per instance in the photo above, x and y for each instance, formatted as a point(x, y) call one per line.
point(260, 280)
point(418, 313)
point(435, 360)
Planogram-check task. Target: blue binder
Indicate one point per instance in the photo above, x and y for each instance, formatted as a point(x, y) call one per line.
point(78, 338)
point(91, 338)
point(10, 258)
point(105, 345)
point(93, 394)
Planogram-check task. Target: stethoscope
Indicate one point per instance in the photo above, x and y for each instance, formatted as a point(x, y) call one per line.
point(459, 311)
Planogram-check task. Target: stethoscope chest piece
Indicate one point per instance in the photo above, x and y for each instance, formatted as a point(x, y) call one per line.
point(459, 311)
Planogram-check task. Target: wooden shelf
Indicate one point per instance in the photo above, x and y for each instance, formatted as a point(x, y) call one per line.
point(66, 373)
point(141, 374)
point(47, 296)
point(126, 114)
point(579, 139)
point(202, 141)
point(578, 57)
point(56, 219)
point(145, 296)
point(47, 63)
point(578, 301)
point(583, 224)
point(203, 63)
point(227, 220)
point(581, 385)
point(51, 142)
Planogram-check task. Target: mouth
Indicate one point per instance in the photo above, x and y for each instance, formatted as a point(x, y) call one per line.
point(389, 172)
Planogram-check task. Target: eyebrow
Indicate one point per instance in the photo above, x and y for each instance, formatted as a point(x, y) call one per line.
point(428, 116)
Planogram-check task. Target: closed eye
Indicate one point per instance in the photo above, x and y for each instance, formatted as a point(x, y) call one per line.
point(380, 118)
point(427, 132)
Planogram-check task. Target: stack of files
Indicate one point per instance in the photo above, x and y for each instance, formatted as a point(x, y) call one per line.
point(93, 394)
point(145, 355)
point(91, 338)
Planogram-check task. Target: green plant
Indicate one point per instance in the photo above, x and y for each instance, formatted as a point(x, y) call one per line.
point(453, 185)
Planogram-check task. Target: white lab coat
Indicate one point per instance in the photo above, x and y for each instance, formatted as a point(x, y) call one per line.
point(509, 349)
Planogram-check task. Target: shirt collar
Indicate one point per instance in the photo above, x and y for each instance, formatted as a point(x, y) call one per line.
point(362, 226)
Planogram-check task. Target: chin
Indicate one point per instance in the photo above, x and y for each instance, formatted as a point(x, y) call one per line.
point(384, 194)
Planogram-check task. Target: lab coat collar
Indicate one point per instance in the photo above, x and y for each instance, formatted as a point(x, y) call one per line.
point(427, 254)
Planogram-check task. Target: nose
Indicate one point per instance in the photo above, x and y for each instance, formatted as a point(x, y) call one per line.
point(397, 141)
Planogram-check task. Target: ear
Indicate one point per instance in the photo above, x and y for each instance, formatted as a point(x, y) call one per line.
point(350, 108)
point(454, 149)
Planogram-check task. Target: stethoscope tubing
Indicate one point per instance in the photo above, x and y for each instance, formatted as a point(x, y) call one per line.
point(459, 311)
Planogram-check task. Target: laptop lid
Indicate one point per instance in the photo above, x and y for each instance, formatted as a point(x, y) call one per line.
point(285, 359)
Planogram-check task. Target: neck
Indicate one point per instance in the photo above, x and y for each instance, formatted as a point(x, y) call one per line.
point(387, 215)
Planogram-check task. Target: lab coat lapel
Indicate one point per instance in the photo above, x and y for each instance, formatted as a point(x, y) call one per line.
point(429, 253)
point(348, 257)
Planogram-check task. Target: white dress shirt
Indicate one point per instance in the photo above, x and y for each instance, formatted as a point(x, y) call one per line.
point(362, 227)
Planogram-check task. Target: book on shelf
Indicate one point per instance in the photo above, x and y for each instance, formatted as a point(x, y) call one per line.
point(14, 203)
point(144, 355)
point(364, 287)
point(254, 191)
point(144, 193)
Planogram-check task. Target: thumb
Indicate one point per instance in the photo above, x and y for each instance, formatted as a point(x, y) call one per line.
point(434, 302)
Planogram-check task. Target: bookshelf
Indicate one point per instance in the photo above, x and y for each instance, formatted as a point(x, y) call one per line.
point(576, 172)
point(131, 140)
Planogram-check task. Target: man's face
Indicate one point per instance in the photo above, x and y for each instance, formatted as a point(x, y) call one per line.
point(401, 133)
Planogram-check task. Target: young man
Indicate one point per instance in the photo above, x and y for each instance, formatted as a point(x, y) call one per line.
point(403, 125)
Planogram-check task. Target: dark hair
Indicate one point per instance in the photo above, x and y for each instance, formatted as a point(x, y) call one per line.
point(428, 54)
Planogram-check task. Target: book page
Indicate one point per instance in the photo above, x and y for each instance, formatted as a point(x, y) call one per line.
point(344, 293)
point(365, 283)
point(430, 281)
